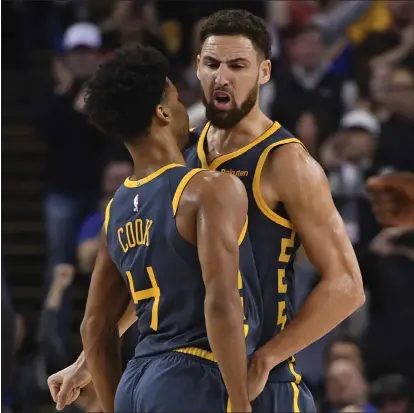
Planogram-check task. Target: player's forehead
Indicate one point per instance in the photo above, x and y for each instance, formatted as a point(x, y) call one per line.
point(226, 48)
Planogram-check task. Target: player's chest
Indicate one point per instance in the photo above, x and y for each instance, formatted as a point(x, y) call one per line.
point(245, 166)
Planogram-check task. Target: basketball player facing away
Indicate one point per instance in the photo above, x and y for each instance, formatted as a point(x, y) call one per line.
point(289, 204)
point(172, 235)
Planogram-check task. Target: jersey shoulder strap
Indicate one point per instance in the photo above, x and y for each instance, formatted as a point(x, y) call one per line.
point(107, 215)
point(178, 186)
point(280, 138)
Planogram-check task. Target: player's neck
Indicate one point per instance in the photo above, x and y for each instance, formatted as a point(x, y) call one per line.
point(248, 129)
point(152, 156)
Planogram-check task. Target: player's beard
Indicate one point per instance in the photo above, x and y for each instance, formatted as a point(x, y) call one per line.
point(230, 118)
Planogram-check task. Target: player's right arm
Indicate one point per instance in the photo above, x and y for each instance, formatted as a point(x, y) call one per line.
point(220, 216)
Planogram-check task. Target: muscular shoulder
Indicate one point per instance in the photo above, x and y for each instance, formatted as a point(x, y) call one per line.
point(212, 186)
point(291, 169)
point(214, 198)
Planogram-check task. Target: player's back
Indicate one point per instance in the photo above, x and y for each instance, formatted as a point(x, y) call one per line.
point(162, 269)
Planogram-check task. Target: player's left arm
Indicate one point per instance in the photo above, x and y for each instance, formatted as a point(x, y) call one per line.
point(302, 186)
point(107, 301)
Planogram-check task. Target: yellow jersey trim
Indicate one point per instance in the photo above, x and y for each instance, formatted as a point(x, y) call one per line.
point(200, 146)
point(207, 355)
point(180, 188)
point(243, 231)
point(129, 183)
point(295, 385)
point(107, 215)
point(226, 157)
point(277, 219)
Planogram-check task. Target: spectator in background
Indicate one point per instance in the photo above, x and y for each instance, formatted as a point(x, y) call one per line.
point(345, 385)
point(133, 21)
point(190, 88)
point(392, 197)
point(391, 394)
point(308, 85)
point(391, 46)
point(51, 354)
point(392, 91)
point(73, 149)
point(344, 347)
point(88, 239)
point(347, 160)
point(388, 269)
point(307, 130)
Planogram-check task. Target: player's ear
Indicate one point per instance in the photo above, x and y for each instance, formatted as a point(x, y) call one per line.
point(198, 66)
point(264, 71)
point(163, 113)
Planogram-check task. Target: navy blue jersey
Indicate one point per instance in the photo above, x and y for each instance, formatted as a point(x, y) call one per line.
point(162, 270)
point(273, 239)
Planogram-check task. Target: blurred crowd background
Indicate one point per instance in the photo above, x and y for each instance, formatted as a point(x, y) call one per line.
point(342, 81)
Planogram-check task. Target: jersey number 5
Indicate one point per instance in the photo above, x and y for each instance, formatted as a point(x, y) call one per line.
point(153, 292)
point(281, 286)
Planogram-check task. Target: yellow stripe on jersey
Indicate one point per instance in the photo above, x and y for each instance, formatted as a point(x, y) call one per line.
point(224, 158)
point(129, 183)
point(243, 231)
point(180, 188)
point(256, 185)
point(197, 352)
point(107, 215)
point(295, 385)
point(200, 146)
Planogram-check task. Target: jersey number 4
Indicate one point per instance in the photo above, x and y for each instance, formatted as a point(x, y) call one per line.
point(153, 292)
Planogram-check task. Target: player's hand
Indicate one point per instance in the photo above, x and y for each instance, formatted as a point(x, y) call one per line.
point(392, 198)
point(63, 275)
point(383, 244)
point(66, 384)
point(257, 376)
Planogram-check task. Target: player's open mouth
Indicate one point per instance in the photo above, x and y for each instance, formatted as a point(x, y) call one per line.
point(222, 100)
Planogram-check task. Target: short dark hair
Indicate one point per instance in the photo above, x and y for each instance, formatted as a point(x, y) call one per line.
point(122, 95)
point(238, 23)
point(390, 388)
point(342, 338)
point(307, 29)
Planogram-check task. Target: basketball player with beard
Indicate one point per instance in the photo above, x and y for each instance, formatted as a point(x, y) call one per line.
point(290, 204)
